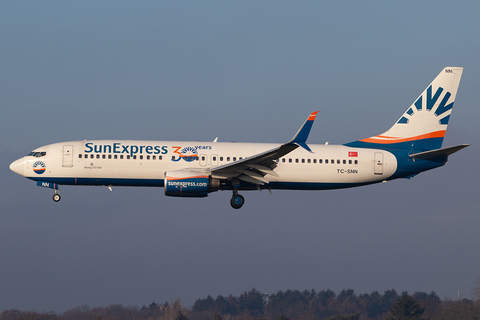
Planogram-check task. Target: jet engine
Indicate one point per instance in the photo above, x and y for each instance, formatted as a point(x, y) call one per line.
point(186, 183)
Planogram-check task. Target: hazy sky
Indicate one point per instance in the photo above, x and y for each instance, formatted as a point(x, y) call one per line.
point(243, 71)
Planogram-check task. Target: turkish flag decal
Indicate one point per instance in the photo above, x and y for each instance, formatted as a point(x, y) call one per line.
point(353, 154)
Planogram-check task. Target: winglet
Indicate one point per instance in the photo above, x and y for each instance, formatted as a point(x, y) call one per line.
point(302, 135)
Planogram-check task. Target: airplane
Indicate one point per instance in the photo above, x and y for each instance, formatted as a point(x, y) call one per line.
point(194, 169)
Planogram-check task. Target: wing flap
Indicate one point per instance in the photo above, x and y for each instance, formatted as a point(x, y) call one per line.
point(250, 179)
point(263, 169)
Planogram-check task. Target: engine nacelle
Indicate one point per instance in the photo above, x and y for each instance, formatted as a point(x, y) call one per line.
point(185, 183)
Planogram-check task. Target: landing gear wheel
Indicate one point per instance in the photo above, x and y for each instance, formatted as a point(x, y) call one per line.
point(237, 201)
point(56, 197)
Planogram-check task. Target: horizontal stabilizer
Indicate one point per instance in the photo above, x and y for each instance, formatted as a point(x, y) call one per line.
point(438, 153)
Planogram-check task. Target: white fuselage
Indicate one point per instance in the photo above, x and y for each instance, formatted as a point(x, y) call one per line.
point(144, 163)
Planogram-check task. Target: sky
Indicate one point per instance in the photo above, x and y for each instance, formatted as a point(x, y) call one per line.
point(248, 71)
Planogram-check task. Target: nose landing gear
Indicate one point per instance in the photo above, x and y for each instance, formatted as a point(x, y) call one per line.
point(56, 197)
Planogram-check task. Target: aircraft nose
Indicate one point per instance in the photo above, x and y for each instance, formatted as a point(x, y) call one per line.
point(17, 166)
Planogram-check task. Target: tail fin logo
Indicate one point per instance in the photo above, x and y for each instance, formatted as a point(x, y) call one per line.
point(429, 103)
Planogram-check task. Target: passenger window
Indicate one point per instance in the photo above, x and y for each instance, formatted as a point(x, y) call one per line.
point(349, 161)
point(228, 158)
point(338, 161)
point(80, 156)
point(283, 159)
point(115, 157)
point(91, 156)
point(98, 156)
point(290, 160)
point(214, 158)
point(320, 160)
point(221, 158)
point(159, 157)
point(314, 160)
point(121, 156)
point(326, 160)
point(308, 161)
point(134, 157)
point(332, 161)
point(344, 161)
point(128, 156)
point(148, 157)
point(154, 157)
point(141, 157)
point(303, 160)
point(356, 161)
point(103, 156)
point(109, 156)
point(240, 158)
point(234, 158)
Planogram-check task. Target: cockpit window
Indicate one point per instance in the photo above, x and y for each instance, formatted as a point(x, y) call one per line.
point(37, 154)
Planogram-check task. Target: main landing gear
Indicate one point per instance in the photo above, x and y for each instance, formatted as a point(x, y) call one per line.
point(237, 200)
point(56, 197)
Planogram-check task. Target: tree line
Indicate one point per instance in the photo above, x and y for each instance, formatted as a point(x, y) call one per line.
point(288, 305)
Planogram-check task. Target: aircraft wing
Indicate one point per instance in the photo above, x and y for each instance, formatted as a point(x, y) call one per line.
point(253, 169)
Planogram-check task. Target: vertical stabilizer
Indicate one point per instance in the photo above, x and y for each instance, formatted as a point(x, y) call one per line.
point(422, 127)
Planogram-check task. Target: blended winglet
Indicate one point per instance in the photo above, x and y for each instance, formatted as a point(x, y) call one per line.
point(301, 137)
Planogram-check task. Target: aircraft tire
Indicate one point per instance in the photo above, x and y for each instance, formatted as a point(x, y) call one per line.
point(56, 197)
point(237, 201)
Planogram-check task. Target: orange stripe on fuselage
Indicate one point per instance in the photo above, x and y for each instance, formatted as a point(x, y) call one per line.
point(389, 140)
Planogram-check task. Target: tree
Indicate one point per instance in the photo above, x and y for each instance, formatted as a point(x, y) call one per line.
point(354, 316)
point(181, 316)
point(217, 316)
point(459, 310)
point(405, 308)
point(372, 304)
point(203, 304)
point(346, 302)
point(251, 302)
point(476, 290)
point(282, 317)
